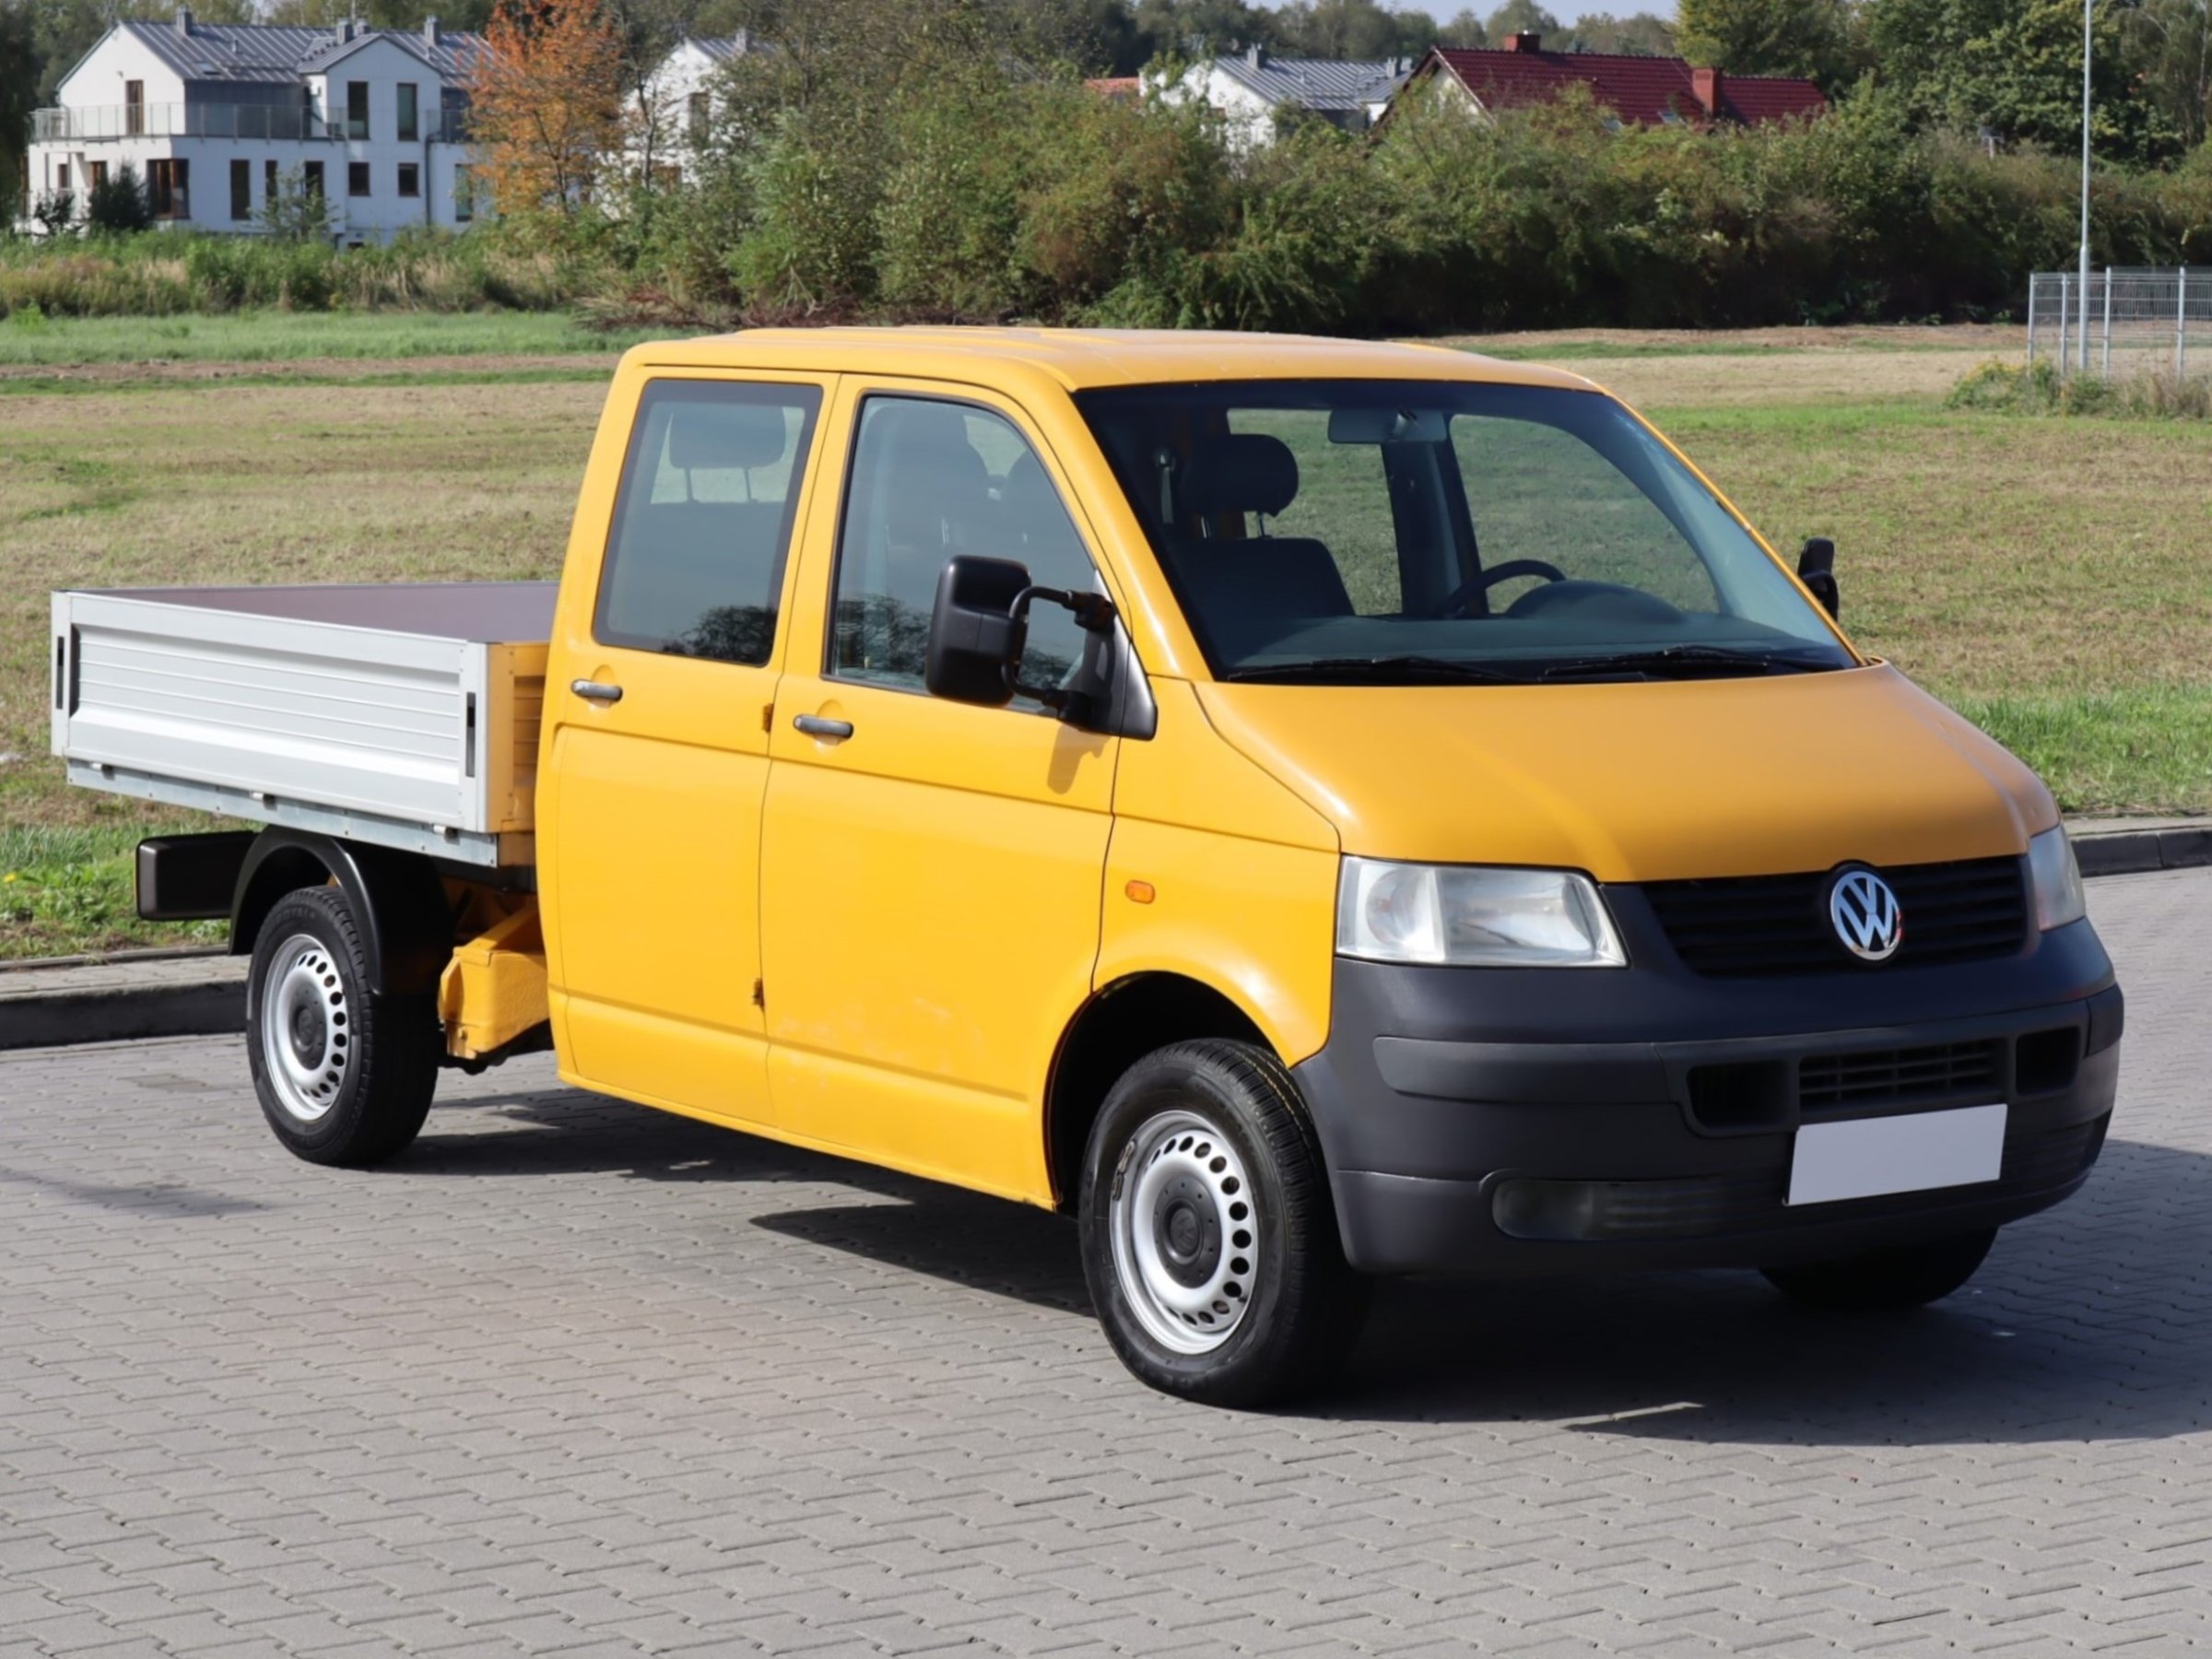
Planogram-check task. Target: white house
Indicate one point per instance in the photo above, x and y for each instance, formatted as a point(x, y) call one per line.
point(677, 105)
point(1247, 89)
point(214, 116)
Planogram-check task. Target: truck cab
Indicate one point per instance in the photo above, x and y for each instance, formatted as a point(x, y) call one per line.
point(1309, 810)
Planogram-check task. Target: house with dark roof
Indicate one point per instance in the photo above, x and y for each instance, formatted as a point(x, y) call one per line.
point(217, 119)
point(1248, 90)
point(1639, 91)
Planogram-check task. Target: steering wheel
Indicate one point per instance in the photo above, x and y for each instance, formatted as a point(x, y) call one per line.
point(1452, 603)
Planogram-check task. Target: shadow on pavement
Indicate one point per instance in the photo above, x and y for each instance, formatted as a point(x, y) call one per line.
point(2092, 1321)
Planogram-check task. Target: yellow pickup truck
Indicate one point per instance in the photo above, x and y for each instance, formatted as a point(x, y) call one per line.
point(1308, 809)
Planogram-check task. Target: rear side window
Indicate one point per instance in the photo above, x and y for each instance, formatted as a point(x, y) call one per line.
point(702, 522)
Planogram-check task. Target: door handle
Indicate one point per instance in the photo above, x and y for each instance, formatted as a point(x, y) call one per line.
point(597, 691)
point(817, 725)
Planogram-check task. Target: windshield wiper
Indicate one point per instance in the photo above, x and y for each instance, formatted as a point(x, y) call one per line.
point(1683, 662)
point(1380, 670)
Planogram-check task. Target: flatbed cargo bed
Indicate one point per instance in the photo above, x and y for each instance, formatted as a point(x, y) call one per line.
point(403, 715)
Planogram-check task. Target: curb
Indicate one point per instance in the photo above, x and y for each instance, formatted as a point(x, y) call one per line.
point(122, 1013)
point(2135, 852)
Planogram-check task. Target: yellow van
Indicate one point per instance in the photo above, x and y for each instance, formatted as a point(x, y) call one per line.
point(1309, 810)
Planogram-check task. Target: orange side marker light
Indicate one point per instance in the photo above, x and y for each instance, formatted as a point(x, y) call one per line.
point(1140, 892)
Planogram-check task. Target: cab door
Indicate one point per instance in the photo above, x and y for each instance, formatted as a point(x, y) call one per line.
point(931, 869)
point(662, 676)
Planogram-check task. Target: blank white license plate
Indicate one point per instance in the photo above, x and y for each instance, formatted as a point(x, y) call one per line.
point(1868, 1157)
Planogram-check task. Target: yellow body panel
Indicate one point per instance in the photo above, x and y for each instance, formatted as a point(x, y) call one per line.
point(494, 989)
point(927, 905)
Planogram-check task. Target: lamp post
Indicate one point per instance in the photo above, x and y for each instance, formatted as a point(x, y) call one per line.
point(2088, 21)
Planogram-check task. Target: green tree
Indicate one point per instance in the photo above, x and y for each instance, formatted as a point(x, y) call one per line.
point(2013, 69)
point(1768, 36)
point(1353, 28)
point(2170, 43)
point(1464, 30)
point(1522, 16)
point(1641, 35)
point(19, 97)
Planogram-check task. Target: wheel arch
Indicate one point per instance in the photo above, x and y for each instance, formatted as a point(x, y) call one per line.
point(1119, 1025)
point(398, 901)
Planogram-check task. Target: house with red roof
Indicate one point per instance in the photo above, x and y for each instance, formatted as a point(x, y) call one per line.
point(1641, 91)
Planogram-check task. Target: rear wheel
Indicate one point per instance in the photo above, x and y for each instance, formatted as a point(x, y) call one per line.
point(1905, 1276)
point(1208, 1239)
point(344, 1077)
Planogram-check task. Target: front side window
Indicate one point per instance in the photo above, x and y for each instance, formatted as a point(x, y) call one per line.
point(1410, 532)
point(702, 520)
point(932, 480)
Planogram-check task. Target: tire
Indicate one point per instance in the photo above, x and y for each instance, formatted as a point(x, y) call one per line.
point(344, 1077)
point(1208, 1238)
point(1906, 1276)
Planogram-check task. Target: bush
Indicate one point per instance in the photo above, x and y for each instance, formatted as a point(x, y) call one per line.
point(2040, 389)
point(117, 203)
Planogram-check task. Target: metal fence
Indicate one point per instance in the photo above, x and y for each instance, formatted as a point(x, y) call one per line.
point(2127, 322)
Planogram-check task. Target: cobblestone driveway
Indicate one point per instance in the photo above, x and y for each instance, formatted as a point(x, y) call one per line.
point(582, 1379)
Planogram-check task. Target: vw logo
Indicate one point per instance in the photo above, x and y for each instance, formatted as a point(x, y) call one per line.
point(1863, 911)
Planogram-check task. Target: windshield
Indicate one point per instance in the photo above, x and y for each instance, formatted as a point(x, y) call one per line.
point(1397, 532)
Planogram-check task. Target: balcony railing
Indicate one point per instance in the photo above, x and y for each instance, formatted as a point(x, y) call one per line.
point(94, 123)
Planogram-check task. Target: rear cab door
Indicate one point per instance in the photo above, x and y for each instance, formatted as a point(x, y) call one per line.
point(666, 649)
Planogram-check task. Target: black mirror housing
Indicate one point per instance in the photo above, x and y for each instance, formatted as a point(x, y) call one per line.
point(977, 632)
point(1817, 570)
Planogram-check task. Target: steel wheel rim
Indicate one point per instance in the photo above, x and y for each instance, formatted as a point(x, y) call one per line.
point(1185, 1232)
point(306, 1029)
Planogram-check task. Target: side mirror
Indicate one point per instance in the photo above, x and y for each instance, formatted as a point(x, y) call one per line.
point(978, 628)
point(1817, 570)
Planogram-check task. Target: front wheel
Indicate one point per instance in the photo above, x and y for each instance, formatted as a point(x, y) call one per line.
point(1208, 1238)
point(344, 1077)
point(1904, 1276)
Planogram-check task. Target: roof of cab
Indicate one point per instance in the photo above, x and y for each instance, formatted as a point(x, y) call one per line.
point(1080, 358)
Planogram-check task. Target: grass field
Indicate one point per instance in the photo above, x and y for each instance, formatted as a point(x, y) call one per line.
point(2047, 575)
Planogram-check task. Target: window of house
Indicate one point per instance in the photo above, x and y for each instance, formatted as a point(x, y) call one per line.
point(465, 195)
point(357, 110)
point(268, 182)
point(60, 177)
point(931, 480)
point(410, 179)
point(702, 523)
point(168, 191)
point(133, 107)
point(98, 175)
point(310, 179)
point(698, 110)
point(357, 177)
point(241, 190)
point(410, 119)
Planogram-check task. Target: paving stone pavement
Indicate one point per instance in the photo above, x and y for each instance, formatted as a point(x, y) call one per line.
point(575, 1378)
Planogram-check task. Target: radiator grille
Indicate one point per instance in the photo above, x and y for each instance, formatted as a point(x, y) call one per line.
point(1873, 1076)
point(1767, 925)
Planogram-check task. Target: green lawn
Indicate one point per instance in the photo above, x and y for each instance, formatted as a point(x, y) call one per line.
point(27, 340)
point(2045, 575)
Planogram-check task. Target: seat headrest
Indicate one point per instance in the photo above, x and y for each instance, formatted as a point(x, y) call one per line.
point(1243, 472)
point(725, 434)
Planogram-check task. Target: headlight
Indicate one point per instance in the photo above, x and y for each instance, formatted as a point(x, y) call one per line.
point(2056, 880)
point(1473, 916)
